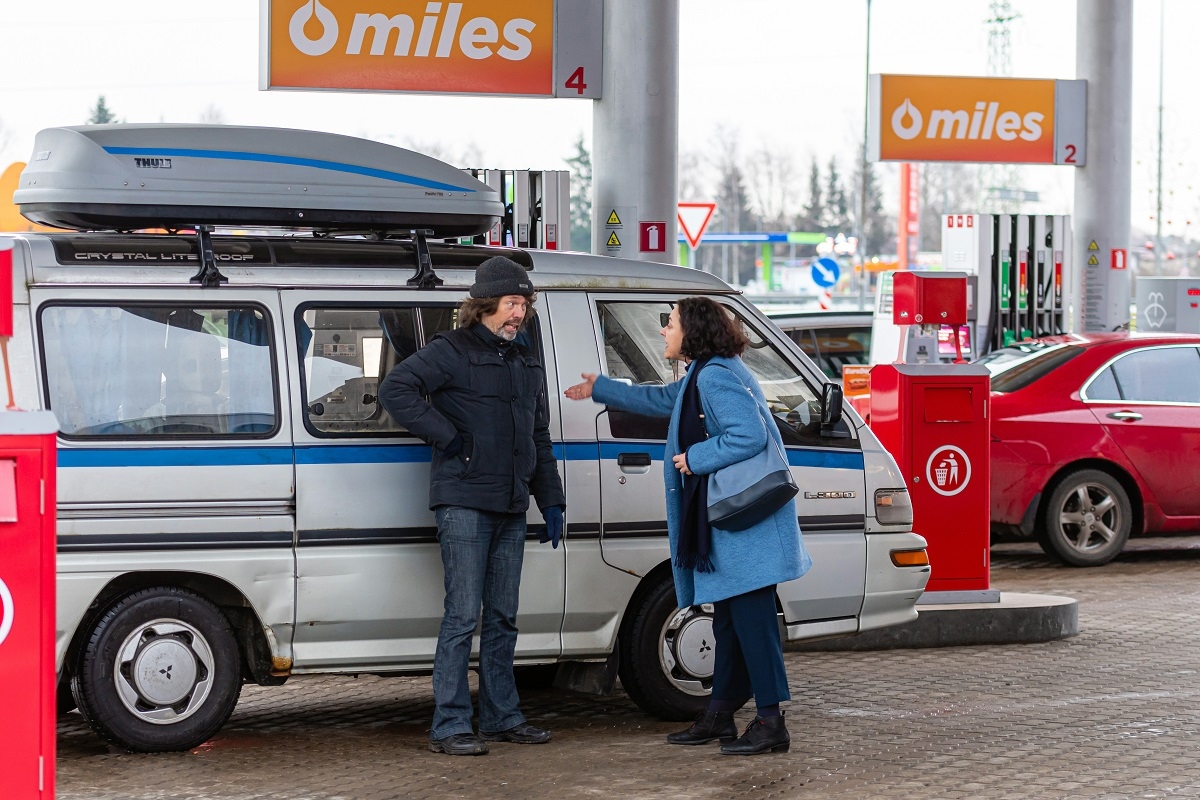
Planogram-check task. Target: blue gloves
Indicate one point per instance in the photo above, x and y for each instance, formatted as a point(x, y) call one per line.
point(454, 448)
point(554, 524)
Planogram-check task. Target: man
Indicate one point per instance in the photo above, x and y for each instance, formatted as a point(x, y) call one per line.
point(487, 420)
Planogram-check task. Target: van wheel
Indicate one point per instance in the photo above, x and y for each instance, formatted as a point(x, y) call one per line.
point(667, 655)
point(64, 701)
point(1087, 519)
point(160, 671)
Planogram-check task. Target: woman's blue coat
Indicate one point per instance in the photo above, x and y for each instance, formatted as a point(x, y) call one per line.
point(767, 553)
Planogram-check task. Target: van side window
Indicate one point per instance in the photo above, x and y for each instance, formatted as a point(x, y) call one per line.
point(348, 351)
point(633, 350)
point(141, 370)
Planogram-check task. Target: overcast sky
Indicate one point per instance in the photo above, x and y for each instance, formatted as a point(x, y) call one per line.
point(783, 74)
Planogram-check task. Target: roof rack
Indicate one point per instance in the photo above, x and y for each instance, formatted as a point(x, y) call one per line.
point(128, 177)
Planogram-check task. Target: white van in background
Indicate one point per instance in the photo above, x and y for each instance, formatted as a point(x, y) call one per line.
point(235, 505)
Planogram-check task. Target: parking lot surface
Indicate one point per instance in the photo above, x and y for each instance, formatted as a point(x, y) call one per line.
point(1110, 713)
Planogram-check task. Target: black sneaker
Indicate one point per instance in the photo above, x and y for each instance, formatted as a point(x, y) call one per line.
point(459, 744)
point(518, 734)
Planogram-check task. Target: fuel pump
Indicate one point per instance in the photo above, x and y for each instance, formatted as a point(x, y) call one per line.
point(1017, 260)
point(537, 208)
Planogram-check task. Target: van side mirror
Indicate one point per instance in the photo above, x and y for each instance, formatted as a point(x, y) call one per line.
point(831, 411)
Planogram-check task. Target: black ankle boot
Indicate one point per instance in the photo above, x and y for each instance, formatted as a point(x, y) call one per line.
point(708, 726)
point(761, 735)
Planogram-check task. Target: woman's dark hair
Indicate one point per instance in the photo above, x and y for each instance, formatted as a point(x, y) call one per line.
point(709, 330)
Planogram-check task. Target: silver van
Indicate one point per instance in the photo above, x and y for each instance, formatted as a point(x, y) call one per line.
point(233, 503)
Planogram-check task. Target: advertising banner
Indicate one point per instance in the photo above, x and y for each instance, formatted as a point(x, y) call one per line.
point(984, 120)
point(469, 47)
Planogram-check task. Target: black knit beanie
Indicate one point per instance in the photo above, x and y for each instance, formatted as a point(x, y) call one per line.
point(500, 276)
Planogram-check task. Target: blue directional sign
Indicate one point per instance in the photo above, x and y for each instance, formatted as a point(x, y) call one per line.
point(825, 272)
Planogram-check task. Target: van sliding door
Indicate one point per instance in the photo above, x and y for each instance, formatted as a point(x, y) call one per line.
point(369, 571)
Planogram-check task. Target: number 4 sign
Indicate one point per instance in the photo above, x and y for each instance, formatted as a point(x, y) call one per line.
point(578, 49)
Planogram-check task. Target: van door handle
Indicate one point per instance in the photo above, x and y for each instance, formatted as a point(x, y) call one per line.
point(1125, 416)
point(633, 460)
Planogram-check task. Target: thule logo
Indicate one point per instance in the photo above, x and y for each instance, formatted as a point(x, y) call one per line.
point(152, 163)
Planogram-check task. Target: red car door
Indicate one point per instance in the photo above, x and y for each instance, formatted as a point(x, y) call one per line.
point(1148, 400)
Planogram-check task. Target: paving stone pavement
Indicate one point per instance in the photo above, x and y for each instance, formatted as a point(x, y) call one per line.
point(1110, 713)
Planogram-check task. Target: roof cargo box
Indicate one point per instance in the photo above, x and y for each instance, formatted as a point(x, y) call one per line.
point(124, 177)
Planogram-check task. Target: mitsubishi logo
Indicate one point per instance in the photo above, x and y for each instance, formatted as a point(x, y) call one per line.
point(167, 671)
point(705, 647)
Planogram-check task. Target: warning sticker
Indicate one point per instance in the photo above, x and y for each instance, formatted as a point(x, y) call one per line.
point(1093, 245)
point(339, 350)
point(614, 221)
point(613, 240)
point(1093, 261)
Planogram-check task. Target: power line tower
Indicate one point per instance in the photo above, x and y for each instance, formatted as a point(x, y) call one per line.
point(1000, 180)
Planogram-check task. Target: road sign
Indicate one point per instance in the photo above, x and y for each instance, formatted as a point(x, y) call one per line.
point(652, 237)
point(693, 219)
point(825, 272)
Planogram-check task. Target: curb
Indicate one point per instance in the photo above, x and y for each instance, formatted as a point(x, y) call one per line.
point(1017, 619)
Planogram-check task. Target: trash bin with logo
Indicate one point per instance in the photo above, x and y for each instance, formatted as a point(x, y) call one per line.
point(933, 419)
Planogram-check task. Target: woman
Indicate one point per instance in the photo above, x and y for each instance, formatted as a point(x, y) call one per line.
point(715, 422)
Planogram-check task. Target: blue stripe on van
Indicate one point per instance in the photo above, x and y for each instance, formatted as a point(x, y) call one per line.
point(383, 454)
point(274, 158)
point(363, 454)
point(174, 457)
point(827, 459)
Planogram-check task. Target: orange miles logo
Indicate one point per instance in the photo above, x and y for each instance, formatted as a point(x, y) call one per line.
point(925, 118)
point(479, 47)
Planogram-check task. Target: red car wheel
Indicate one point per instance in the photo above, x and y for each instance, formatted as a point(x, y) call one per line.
point(1087, 519)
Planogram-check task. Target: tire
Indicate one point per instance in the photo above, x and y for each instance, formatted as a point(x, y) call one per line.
point(64, 701)
point(160, 672)
point(1087, 519)
point(666, 661)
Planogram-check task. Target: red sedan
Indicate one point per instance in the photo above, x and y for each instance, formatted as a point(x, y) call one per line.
point(1095, 437)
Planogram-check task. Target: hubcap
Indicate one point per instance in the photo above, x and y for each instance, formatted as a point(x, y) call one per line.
point(163, 671)
point(687, 650)
point(1090, 518)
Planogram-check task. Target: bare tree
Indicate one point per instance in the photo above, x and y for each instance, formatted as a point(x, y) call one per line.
point(946, 188)
point(693, 177)
point(771, 178)
point(212, 115)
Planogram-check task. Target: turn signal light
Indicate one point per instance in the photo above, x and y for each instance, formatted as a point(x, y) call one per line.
point(893, 507)
point(910, 558)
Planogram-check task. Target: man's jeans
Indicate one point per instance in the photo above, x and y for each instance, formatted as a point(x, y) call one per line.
point(482, 554)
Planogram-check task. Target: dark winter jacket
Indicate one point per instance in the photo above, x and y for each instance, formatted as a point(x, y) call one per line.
point(491, 393)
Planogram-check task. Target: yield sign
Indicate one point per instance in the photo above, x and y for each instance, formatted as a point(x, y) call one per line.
point(693, 219)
